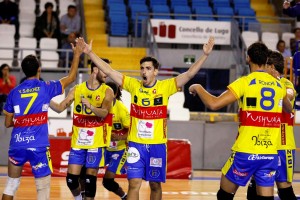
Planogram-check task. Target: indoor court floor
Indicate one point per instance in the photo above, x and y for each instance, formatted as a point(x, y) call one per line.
point(203, 186)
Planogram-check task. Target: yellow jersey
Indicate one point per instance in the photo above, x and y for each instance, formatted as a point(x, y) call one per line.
point(287, 140)
point(89, 130)
point(121, 123)
point(261, 97)
point(148, 110)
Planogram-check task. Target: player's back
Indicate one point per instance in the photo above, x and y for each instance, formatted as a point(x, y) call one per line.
point(261, 97)
point(29, 102)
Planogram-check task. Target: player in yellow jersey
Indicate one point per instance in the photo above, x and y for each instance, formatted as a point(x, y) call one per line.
point(254, 152)
point(147, 135)
point(287, 146)
point(92, 123)
point(116, 153)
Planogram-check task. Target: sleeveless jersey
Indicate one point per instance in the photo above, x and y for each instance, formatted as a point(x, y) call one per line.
point(89, 130)
point(287, 140)
point(29, 102)
point(148, 109)
point(121, 123)
point(260, 97)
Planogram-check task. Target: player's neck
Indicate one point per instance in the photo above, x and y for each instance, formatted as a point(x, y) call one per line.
point(93, 83)
point(255, 68)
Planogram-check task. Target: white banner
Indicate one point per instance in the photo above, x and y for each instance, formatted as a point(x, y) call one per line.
point(190, 32)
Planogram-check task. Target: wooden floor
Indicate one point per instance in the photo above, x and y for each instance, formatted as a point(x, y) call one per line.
point(204, 186)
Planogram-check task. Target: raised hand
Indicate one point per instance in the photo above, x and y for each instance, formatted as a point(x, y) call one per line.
point(207, 48)
point(286, 5)
point(80, 45)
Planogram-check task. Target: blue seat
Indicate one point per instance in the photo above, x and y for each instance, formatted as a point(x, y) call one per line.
point(242, 3)
point(178, 3)
point(204, 11)
point(140, 2)
point(221, 3)
point(157, 2)
point(182, 10)
point(108, 2)
point(161, 9)
point(118, 26)
point(138, 8)
point(246, 12)
point(228, 11)
point(117, 8)
point(199, 4)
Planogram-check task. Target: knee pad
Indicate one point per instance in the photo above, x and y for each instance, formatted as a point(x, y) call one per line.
point(286, 193)
point(251, 191)
point(12, 186)
point(82, 173)
point(110, 184)
point(72, 181)
point(43, 187)
point(222, 195)
point(265, 198)
point(90, 185)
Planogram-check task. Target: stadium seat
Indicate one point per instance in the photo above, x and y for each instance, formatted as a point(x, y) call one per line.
point(164, 10)
point(27, 43)
point(250, 37)
point(141, 2)
point(178, 3)
point(220, 3)
point(27, 6)
point(270, 39)
point(224, 11)
point(7, 55)
point(157, 2)
point(118, 26)
point(206, 11)
point(286, 37)
point(26, 30)
point(7, 30)
point(183, 12)
point(49, 59)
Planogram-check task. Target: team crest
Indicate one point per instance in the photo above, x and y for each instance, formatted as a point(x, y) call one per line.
point(154, 91)
point(97, 97)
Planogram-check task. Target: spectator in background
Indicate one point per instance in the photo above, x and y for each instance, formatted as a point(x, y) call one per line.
point(70, 22)
point(7, 81)
point(68, 55)
point(9, 14)
point(293, 41)
point(47, 25)
point(292, 11)
point(281, 47)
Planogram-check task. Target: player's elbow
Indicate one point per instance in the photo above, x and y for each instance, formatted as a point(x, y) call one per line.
point(8, 125)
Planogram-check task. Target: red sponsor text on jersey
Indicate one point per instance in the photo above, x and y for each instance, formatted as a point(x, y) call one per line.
point(154, 112)
point(260, 119)
point(31, 120)
point(288, 118)
point(91, 121)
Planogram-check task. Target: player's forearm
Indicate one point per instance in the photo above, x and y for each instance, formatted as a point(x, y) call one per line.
point(100, 112)
point(208, 99)
point(57, 107)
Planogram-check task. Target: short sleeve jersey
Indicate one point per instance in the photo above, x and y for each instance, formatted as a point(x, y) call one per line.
point(148, 110)
point(121, 123)
point(261, 97)
point(89, 130)
point(287, 140)
point(29, 102)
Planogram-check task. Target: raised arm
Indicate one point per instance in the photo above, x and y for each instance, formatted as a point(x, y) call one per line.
point(116, 76)
point(106, 104)
point(287, 106)
point(59, 107)
point(183, 78)
point(77, 50)
point(211, 101)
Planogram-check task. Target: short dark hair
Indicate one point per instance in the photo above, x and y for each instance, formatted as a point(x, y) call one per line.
point(296, 29)
point(150, 59)
point(48, 4)
point(2, 67)
point(258, 53)
point(279, 41)
point(115, 88)
point(30, 66)
point(104, 59)
point(72, 6)
point(276, 59)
